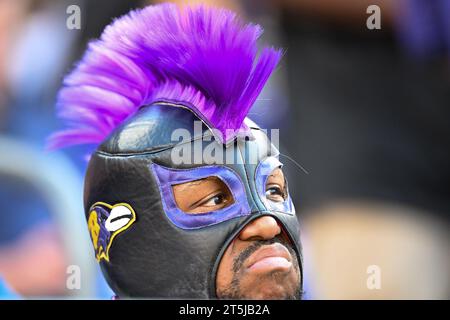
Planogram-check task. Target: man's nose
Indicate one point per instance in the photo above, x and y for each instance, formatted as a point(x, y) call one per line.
point(263, 228)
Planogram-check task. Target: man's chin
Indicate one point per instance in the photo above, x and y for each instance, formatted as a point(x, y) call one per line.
point(272, 292)
point(276, 283)
point(260, 289)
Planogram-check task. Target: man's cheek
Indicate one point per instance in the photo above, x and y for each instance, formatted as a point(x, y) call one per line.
point(225, 272)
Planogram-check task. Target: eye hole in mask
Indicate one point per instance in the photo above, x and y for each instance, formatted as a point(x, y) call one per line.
point(272, 186)
point(203, 195)
point(214, 194)
point(276, 186)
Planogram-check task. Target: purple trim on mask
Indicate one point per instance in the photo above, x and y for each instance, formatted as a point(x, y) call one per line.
point(263, 170)
point(167, 177)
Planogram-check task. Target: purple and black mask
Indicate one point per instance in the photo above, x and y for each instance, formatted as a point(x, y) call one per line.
point(154, 72)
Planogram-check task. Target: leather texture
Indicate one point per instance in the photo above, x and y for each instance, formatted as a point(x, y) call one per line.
point(154, 258)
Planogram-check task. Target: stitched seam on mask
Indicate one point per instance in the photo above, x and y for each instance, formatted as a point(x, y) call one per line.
point(190, 107)
point(146, 152)
point(256, 185)
point(246, 173)
point(161, 148)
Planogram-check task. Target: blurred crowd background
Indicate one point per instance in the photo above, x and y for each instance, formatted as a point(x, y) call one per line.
point(364, 119)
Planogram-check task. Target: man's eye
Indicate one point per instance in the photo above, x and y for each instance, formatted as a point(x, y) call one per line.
point(214, 201)
point(275, 193)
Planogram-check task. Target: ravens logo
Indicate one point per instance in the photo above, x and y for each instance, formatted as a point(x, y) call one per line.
point(105, 222)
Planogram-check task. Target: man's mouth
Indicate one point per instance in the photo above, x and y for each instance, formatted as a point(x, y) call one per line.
point(270, 257)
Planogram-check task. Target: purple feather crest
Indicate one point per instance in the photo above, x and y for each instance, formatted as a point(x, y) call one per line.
point(201, 56)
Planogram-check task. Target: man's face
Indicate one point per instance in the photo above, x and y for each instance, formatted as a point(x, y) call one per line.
point(260, 263)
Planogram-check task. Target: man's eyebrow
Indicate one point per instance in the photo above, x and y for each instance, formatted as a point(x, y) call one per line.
point(190, 183)
point(194, 183)
point(197, 182)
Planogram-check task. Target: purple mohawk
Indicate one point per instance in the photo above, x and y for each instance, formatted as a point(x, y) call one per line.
point(200, 56)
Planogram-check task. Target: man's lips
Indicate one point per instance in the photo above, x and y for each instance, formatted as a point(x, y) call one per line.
point(269, 257)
